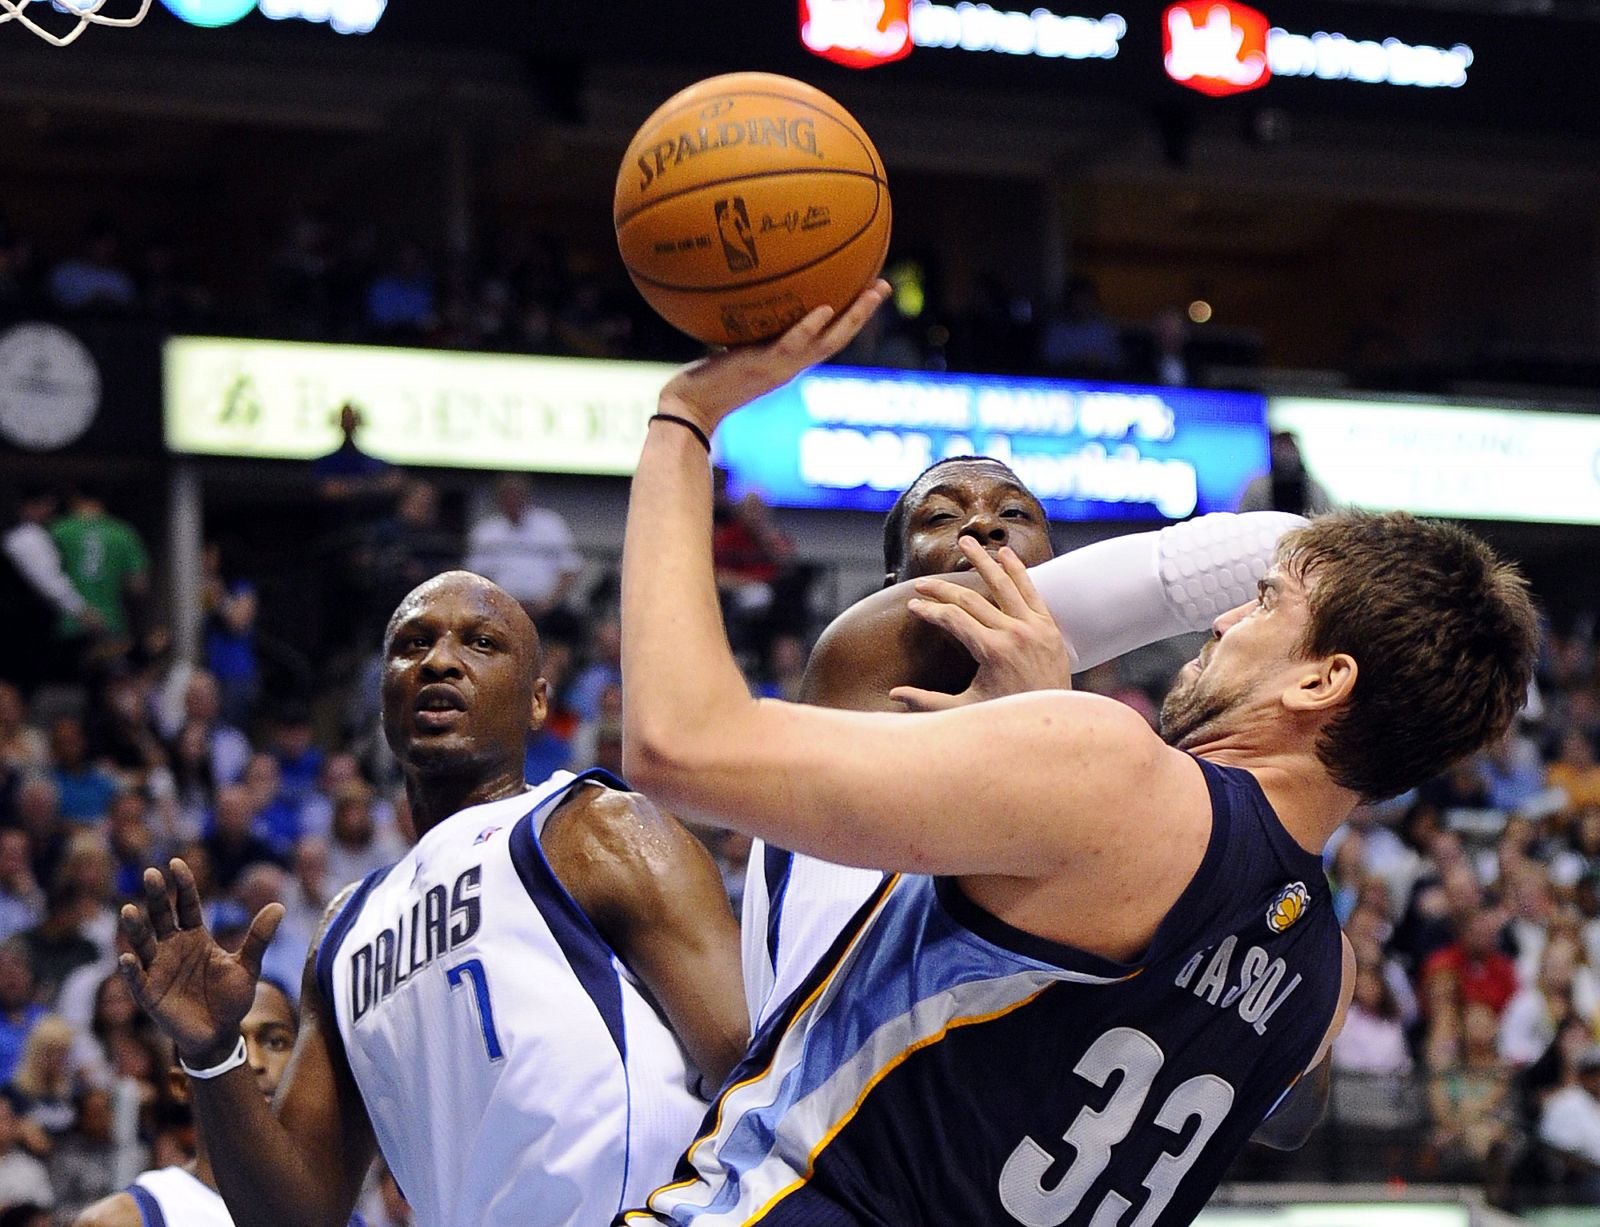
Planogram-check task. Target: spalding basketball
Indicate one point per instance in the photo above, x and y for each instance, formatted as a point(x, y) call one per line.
point(747, 200)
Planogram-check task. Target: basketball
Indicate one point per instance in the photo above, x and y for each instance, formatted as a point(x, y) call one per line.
point(747, 200)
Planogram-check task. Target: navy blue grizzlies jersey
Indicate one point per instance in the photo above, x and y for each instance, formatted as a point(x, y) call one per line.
point(942, 1067)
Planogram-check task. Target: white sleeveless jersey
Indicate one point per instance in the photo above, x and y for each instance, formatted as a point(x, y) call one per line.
point(513, 1071)
point(172, 1197)
point(795, 908)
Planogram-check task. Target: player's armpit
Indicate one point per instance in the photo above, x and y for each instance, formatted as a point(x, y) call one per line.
point(653, 892)
point(1298, 1113)
point(1302, 1107)
point(118, 1210)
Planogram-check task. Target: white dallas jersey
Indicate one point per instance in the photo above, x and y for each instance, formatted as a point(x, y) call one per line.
point(513, 1072)
point(173, 1197)
point(795, 907)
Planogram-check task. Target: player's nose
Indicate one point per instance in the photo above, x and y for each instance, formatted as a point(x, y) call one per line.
point(443, 659)
point(1228, 618)
point(985, 529)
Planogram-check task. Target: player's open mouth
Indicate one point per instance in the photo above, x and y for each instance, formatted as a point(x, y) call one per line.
point(965, 564)
point(439, 707)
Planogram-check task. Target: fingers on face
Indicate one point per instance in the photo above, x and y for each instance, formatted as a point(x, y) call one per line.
point(1023, 582)
point(945, 595)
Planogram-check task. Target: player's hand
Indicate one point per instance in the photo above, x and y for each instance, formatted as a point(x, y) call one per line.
point(709, 390)
point(197, 992)
point(1011, 634)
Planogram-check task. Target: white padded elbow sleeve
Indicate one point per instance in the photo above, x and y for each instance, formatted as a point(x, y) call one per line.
point(1116, 595)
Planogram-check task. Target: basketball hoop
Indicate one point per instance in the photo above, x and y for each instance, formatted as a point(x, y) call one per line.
point(85, 12)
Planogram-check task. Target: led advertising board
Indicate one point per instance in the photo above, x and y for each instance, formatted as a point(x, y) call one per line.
point(1472, 462)
point(280, 400)
point(853, 438)
point(836, 437)
point(1338, 1214)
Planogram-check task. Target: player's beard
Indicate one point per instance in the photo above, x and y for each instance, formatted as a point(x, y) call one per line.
point(1194, 710)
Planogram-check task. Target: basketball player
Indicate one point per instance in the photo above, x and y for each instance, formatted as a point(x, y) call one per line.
point(187, 1196)
point(464, 1011)
point(1107, 956)
point(794, 906)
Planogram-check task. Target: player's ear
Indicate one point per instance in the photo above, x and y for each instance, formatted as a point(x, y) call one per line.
point(539, 708)
point(1323, 685)
point(177, 1084)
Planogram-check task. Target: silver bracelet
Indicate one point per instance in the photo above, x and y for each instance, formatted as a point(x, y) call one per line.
point(238, 1057)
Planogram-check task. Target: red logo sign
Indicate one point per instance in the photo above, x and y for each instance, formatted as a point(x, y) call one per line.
point(857, 33)
point(1217, 47)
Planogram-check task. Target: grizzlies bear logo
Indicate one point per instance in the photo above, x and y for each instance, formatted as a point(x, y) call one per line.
point(1289, 905)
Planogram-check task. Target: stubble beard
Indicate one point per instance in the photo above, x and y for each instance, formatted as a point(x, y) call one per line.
point(1192, 712)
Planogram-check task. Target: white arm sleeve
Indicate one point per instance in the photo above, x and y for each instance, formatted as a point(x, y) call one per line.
point(1124, 593)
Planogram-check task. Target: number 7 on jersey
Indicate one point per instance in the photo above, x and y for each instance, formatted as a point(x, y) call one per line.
point(473, 969)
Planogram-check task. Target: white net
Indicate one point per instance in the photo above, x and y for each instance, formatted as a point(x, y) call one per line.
point(61, 21)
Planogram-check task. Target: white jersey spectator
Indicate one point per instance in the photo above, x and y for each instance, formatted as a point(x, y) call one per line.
point(527, 550)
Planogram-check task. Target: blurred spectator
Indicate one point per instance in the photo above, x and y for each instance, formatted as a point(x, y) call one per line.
point(1162, 355)
point(412, 545)
point(88, 867)
point(41, 1088)
point(1564, 987)
point(592, 744)
point(96, 278)
point(1575, 771)
point(39, 816)
point(357, 844)
point(230, 639)
point(276, 817)
point(1570, 1123)
point(216, 752)
point(338, 770)
point(1513, 772)
point(1472, 970)
point(55, 947)
point(527, 550)
point(1470, 1104)
point(22, 747)
point(105, 560)
point(307, 894)
point(83, 1168)
point(23, 1179)
point(232, 845)
point(1077, 338)
point(602, 673)
point(348, 475)
point(763, 593)
point(83, 791)
point(784, 670)
point(21, 900)
point(588, 327)
point(285, 958)
point(37, 596)
point(18, 1011)
point(1286, 486)
point(130, 842)
point(1373, 1040)
point(401, 298)
point(299, 761)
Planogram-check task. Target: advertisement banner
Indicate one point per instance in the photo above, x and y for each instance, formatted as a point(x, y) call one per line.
point(280, 400)
point(852, 438)
point(1466, 461)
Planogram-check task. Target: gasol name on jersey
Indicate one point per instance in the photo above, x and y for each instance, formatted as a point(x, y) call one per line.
point(438, 922)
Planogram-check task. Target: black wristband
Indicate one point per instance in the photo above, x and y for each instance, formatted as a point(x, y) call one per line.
point(687, 424)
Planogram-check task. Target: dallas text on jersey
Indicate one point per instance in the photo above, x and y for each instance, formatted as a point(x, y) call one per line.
point(438, 922)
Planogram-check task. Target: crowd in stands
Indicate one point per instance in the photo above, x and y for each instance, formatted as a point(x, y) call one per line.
point(324, 281)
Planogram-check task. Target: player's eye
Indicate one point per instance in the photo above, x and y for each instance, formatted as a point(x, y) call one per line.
point(1016, 513)
point(939, 517)
point(484, 642)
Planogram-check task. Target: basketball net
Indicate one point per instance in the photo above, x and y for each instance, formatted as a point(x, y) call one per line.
point(85, 13)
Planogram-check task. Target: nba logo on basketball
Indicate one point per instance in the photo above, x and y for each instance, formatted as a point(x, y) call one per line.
point(857, 33)
point(1217, 47)
point(738, 239)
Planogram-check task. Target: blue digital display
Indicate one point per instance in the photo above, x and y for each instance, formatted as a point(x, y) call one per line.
point(846, 437)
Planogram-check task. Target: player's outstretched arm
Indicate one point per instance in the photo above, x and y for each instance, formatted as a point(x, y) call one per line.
point(302, 1168)
point(1304, 1104)
point(853, 788)
point(654, 893)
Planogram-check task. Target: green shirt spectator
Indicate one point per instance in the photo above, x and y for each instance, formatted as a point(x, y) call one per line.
point(104, 559)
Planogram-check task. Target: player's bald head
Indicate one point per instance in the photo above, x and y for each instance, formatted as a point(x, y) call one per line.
point(471, 589)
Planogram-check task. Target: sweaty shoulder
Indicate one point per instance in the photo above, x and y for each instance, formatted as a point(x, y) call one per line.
point(118, 1210)
point(602, 841)
point(876, 645)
